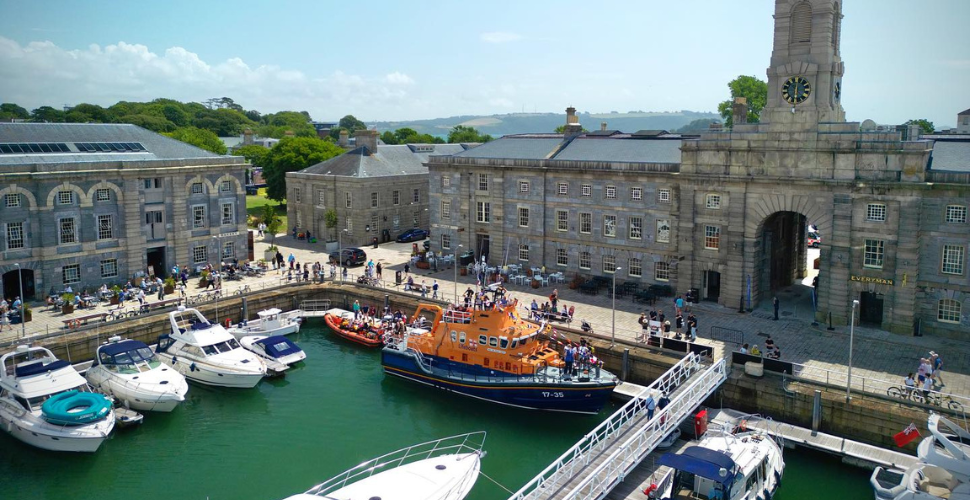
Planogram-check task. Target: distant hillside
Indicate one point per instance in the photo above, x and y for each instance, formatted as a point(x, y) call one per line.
point(519, 123)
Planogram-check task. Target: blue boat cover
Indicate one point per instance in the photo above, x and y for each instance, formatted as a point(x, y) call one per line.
point(702, 462)
point(123, 346)
point(126, 352)
point(40, 367)
point(278, 346)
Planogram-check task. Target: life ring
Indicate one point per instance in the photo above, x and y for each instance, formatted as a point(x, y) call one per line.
point(75, 408)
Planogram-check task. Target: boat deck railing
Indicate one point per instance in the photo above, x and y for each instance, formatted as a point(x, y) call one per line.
point(471, 442)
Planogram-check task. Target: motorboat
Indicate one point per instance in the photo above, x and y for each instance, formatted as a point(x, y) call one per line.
point(669, 440)
point(271, 322)
point(921, 481)
point(494, 355)
point(44, 402)
point(130, 371)
point(278, 352)
point(206, 353)
point(947, 446)
point(742, 463)
point(363, 330)
point(445, 469)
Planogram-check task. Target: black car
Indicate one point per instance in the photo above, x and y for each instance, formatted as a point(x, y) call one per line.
point(351, 257)
point(412, 235)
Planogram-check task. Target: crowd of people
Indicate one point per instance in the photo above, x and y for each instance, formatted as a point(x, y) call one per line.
point(929, 376)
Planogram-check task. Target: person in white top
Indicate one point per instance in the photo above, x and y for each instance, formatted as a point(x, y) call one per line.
point(910, 385)
point(927, 387)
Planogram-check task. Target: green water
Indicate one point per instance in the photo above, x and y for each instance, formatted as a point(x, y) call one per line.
point(335, 411)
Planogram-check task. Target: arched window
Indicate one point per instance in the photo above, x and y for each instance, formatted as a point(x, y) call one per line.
point(836, 26)
point(801, 23)
point(949, 311)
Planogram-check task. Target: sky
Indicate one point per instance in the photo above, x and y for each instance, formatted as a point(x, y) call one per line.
point(384, 60)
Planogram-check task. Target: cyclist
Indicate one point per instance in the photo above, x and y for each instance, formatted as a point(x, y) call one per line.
point(910, 384)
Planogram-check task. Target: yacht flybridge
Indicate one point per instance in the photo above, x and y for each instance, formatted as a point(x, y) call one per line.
point(131, 372)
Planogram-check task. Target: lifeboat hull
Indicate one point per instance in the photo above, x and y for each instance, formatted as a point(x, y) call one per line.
point(332, 322)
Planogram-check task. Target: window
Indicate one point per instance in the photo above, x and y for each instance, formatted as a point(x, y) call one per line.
point(225, 187)
point(636, 228)
point(714, 201)
point(446, 241)
point(71, 274)
point(563, 188)
point(523, 217)
point(712, 237)
point(523, 186)
point(483, 182)
point(587, 190)
point(15, 235)
point(198, 216)
point(446, 210)
point(609, 225)
point(661, 271)
point(445, 181)
point(949, 311)
point(297, 194)
point(562, 220)
point(663, 196)
point(156, 183)
point(636, 267)
point(610, 192)
point(299, 219)
point(524, 252)
point(663, 230)
point(109, 268)
point(373, 200)
point(197, 188)
point(68, 231)
point(585, 223)
point(65, 197)
point(104, 227)
point(229, 214)
point(11, 200)
point(876, 212)
point(801, 23)
point(952, 259)
point(417, 196)
point(636, 193)
point(873, 253)
point(322, 198)
point(484, 211)
point(562, 259)
point(350, 225)
point(102, 194)
point(956, 214)
point(228, 250)
point(584, 260)
point(200, 255)
point(350, 201)
point(414, 220)
point(609, 264)
point(396, 195)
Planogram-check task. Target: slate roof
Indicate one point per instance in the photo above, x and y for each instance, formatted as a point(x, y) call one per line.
point(157, 147)
point(951, 155)
point(964, 112)
point(400, 159)
point(622, 150)
point(525, 147)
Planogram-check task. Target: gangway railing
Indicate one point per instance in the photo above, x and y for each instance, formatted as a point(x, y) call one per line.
point(580, 454)
point(315, 305)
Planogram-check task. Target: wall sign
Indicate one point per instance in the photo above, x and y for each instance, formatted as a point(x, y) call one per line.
point(869, 279)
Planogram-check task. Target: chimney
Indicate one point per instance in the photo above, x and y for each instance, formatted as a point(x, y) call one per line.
point(368, 139)
point(247, 136)
point(739, 110)
point(344, 139)
point(603, 126)
point(573, 128)
point(571, 117)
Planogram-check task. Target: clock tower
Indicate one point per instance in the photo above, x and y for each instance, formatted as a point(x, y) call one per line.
point(805, 75)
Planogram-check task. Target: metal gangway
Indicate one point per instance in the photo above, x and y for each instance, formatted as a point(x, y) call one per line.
point(603, 457)
point(311, 308)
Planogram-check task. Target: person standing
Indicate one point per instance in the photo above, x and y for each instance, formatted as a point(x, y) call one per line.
point(679, 304)
point(775, 304)
point(356, 309)
point(568, 357)
point(380, 270)
point(910, 384)
point(936, 362)
point(407, 269)
point(434, 290)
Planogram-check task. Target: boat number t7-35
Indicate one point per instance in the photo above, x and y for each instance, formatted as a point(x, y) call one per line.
point(551, 394)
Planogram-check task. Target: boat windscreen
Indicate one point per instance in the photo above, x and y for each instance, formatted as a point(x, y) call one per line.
point(278, 346)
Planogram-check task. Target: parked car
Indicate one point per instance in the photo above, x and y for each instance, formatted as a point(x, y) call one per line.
point(412, 235)
point(814, 240)
point(351, 256)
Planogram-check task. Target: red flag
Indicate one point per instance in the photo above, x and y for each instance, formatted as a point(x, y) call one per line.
point(908, 435)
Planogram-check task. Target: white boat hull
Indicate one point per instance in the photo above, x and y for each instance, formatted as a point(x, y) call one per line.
point(202, 373)
point(32, 429)
point(145, 397)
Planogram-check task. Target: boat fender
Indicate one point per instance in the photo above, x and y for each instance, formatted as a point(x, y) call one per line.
point(767, 494)
point(228, 322)
point(777, 479)
point(650, 490)
point(175, 359)
point(192, 367)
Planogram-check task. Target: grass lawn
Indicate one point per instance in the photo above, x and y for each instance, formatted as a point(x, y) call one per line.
point(255, 204)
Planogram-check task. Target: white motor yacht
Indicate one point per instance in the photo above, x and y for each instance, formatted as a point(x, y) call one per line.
point(445, 469)
point(44, 402)
point(947, 446)
point(271, 322)
point(130, 371)
point(741, 464)
point(920, 482)
point(206, 353)
point(278, 352)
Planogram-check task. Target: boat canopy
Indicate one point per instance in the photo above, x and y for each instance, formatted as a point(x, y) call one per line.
point(703, 462)
point(126, 352)
point(278, 346)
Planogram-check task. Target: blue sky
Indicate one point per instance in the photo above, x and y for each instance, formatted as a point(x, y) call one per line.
point(408, 60)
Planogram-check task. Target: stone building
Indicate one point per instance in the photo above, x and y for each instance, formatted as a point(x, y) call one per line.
point(963, 122)
point(91, 204)
point(376, 191)
point(727, 212)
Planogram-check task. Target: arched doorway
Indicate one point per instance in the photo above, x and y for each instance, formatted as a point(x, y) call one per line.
point(785, 267)
point(11, 284)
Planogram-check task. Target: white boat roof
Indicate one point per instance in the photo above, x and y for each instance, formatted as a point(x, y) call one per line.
point(41, 383)
point(269, 312)
point(746, 454)
point(206, 334)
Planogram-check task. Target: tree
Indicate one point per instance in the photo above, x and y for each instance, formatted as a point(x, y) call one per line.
point(153, 123)
point(292, 154)
point(273, 223)
point(389, 138)
point(10, 110)
point(94, 112)
point(756, 92)
point(562, 129)
point(330, 220)
point(47, 114)
point(923, 123)
point(352, 124)
point(199, 138)
point(254, 153)
point(699, 125)
point(461, 133)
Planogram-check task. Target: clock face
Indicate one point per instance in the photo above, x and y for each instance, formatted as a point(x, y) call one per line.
point(838, 90)
point(796, 89)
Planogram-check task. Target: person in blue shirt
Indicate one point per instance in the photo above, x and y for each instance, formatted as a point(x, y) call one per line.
point(568, 357)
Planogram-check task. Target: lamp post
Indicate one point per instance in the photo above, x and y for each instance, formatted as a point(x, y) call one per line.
point(340, 253)
point(613, 333)
point(23, 317)
point(455, 263)
point(848, 383)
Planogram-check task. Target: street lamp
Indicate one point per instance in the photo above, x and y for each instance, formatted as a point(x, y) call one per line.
point(23, 317)
point(455, 263)
point(848, 384)
point(613, 338)
point(340, 253)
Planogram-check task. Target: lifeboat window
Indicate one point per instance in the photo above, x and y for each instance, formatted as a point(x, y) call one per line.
point(486, 361)
point(454, 335)
point(493, 341)
point(461, 337)
point(483, 340)
point(503, 342)
point(508, 366)
point(515, 342)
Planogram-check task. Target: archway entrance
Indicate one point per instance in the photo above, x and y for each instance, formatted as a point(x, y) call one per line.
point(785, 268)
point(11, 284)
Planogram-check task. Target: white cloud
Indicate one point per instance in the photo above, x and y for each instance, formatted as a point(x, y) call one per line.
point(500, 102)
point(500, 37)
point(398, 78)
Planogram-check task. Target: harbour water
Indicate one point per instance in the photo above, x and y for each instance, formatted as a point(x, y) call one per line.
point(335, 411)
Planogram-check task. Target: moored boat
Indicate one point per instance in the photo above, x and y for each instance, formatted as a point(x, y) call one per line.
point(278, 352)
point(271, 322)
point(130, 371)
point(921, 481)
point(495, 355)
point(947, 446)
point(364, 330)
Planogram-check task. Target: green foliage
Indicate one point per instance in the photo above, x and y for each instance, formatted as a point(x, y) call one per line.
point(255, 153)
point(700, 125)
point(277, 124)
point(200, 138)
point(562, 129)
point(153, 123)
point(352, 124)
point(10, 110)
point(330, 218)
point(462, 133)
point(290, 155)
point(269, 215)
point(47, 114)
point(93, 111)
point(755, 90)
point(923, 123)
point(409, 136)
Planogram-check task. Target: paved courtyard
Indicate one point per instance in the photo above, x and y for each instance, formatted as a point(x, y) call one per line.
point(879, 359)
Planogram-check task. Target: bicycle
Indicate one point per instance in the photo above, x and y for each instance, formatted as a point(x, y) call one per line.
point(242, 290)
point(937, 399)
point(902, 392)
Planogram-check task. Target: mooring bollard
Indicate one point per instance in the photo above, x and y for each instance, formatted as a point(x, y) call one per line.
point(830, 328)
point(817, 411)
point(245, 309)
point(626, 364)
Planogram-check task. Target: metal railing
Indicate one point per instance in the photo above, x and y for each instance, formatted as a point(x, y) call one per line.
point(315, 305)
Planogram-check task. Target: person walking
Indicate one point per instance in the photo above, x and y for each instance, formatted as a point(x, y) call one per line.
point(434, 290)
point(651, 407)
point(775, 304)
point(407, 269)
point(380, 270)
point(936, 362)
